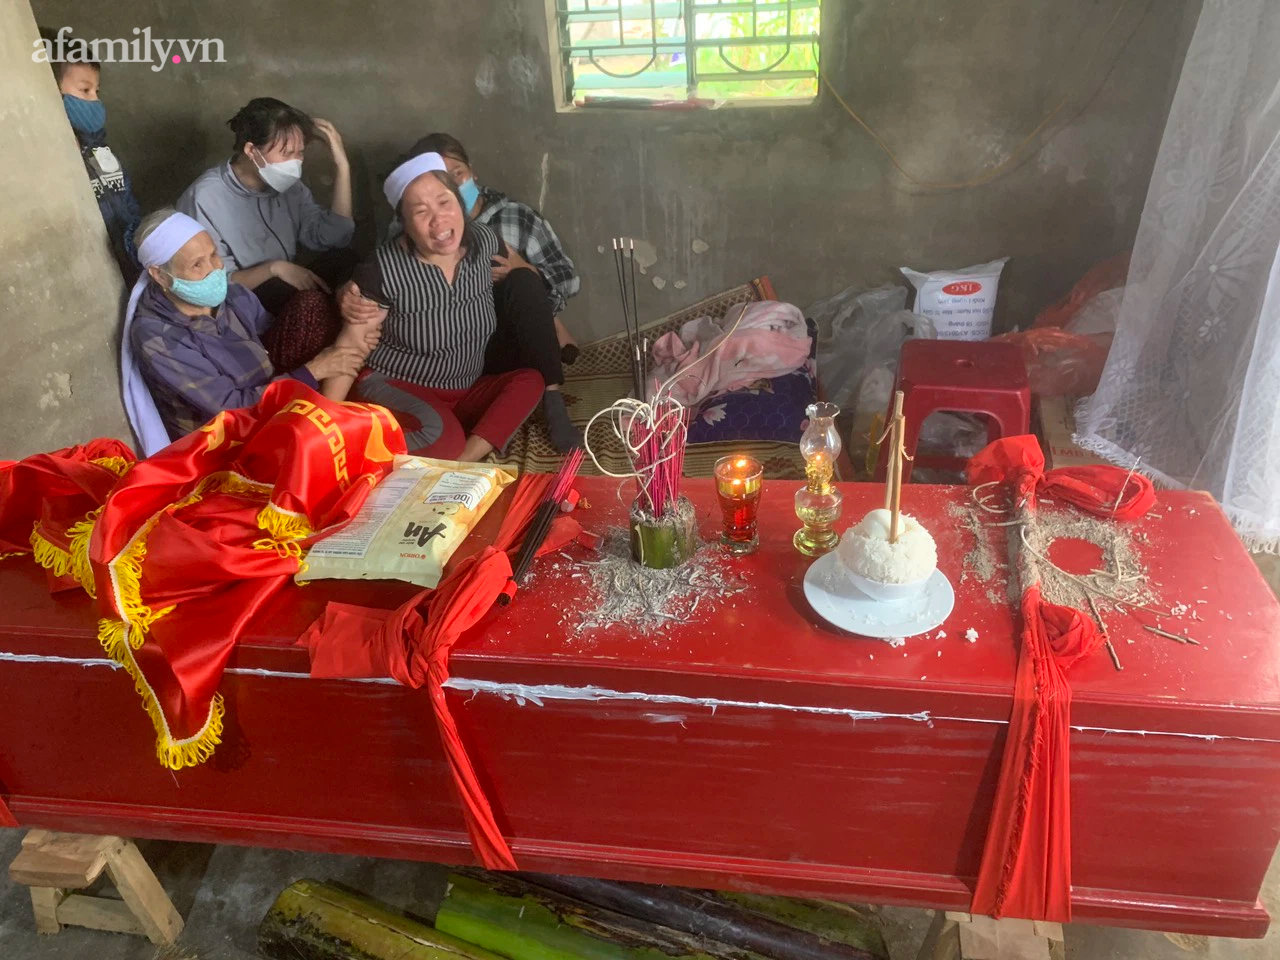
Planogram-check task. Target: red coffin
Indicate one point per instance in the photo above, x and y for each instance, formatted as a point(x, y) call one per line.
point(754, 748)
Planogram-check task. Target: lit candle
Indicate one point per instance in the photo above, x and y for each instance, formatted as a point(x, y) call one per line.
point(738, 485)
point(738, 476)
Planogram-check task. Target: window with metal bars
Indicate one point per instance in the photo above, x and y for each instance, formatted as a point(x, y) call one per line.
point(703, 52)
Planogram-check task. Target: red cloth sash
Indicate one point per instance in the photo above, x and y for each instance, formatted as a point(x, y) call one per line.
point(1026, 860)
point(413, 643)
point(1101, 490)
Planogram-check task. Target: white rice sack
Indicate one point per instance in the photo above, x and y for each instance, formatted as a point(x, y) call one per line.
point(961, 303)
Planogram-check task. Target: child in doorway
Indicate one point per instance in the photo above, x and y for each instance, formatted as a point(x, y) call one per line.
point(112, 188)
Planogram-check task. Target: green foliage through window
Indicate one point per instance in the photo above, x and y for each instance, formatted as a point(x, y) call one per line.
point(688, 51)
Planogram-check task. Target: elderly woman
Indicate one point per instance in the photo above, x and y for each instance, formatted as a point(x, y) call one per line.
point(532, 281)
point(258, 211)
point(433, 291)
point(192, 343)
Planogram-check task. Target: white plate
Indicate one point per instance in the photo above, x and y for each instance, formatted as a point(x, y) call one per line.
point(835, 599)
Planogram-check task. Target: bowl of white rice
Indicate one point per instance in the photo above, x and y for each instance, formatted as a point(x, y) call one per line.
point(885, 570)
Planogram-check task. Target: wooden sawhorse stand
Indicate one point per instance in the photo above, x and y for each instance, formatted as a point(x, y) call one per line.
point(962, 936)
point(52, 864)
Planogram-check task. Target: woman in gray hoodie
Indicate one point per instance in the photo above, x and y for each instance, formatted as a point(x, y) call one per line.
point(258, 211)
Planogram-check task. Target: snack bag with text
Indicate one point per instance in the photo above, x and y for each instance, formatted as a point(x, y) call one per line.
point(411, 524)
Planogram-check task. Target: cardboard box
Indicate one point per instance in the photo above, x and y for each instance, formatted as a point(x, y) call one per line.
point(1057, 425)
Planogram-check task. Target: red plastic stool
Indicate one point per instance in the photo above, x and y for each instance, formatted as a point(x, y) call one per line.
point(959, 376)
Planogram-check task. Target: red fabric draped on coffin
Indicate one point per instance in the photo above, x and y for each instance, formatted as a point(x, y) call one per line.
point(413, 642)
point(182, 549)
point(1026, 860)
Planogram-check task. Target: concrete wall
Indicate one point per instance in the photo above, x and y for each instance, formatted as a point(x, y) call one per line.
point(60, 288)
point(799, 193)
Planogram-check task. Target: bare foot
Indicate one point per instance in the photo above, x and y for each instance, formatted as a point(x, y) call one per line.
point(475, 449)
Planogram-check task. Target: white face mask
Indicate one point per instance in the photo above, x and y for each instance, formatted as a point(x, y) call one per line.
point(279, 176)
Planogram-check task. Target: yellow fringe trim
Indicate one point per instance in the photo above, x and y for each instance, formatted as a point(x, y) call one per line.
point(50, 555)
point(283, 525)
point(75, 561)
point(285, 549)
point(172, 754)
point(119, 638)
point(80, 534)
point(234, 483)
point(128, 565)
point(117, 465)
point(128, 575)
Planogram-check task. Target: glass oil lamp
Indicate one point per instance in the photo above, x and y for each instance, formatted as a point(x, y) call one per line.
point(738, 486)
point(818, 502)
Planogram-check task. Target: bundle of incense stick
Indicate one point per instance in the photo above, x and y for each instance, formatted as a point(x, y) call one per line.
point(656, 449)
point(652, 429)
point(896, 438)
point(624, 261)
point(541, 522)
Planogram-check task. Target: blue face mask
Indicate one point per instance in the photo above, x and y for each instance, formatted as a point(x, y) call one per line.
point(470, 193)
point(87, 116)
point(209, 291)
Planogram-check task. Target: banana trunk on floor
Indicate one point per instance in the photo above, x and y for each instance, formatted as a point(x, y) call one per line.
point(521, 921)
point(778, 927)
point(322, 922)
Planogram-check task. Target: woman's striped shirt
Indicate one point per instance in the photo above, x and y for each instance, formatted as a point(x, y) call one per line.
point(435, 334)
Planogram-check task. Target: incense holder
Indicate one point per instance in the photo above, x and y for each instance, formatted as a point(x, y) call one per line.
point(667, 541)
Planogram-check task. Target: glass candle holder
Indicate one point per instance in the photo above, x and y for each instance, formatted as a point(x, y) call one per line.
point(738, 485)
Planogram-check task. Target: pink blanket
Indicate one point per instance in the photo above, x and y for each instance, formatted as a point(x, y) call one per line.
point(771, 340)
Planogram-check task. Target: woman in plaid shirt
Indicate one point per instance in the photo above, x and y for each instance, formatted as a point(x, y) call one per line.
point(531, 284)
